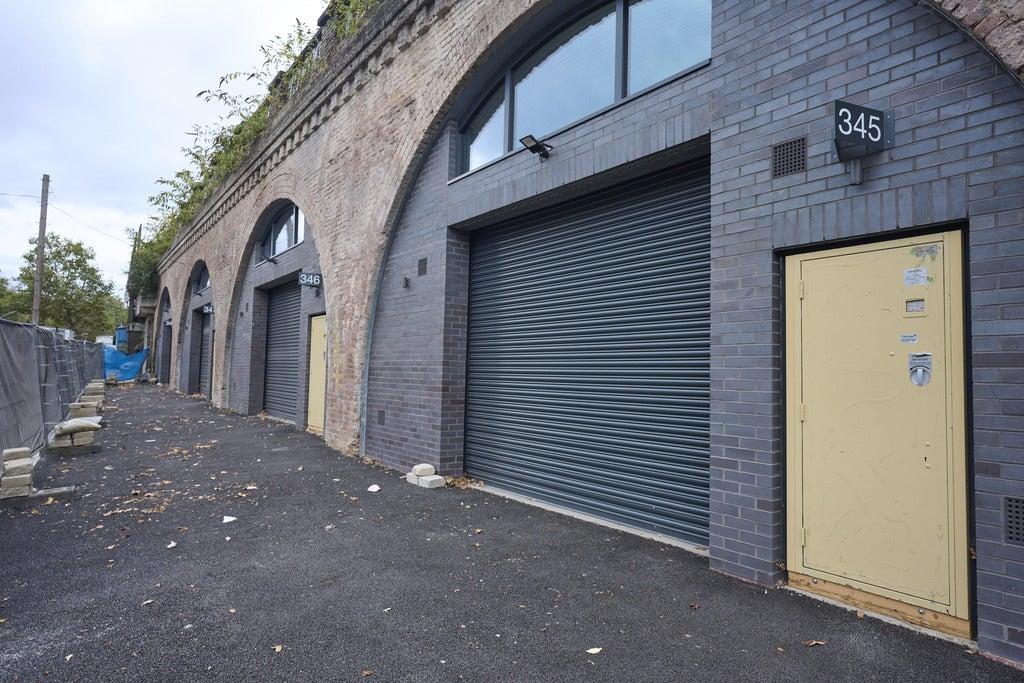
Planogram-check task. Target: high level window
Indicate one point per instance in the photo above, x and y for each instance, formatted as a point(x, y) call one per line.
point(621, 49)
point(286, 229)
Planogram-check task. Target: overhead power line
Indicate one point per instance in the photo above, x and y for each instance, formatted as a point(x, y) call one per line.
point(91, 227)
point(15, 194)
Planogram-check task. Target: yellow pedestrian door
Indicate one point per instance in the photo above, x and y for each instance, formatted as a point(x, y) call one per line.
point(876, 481)
point(317, 374)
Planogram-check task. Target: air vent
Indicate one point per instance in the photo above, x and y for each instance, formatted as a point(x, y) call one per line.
point(789, 157)
point(422, 268)
point(1015, 520)
point(380, 417)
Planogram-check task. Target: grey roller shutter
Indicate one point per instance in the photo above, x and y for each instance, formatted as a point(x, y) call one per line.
point(281, 382)
point(165, 354)
point(589, 355)
point(206, 354)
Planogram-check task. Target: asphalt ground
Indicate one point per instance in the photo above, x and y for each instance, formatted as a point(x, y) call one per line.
point(319, 579)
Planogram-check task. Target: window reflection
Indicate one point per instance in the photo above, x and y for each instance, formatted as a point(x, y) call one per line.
point(577, 72)
point(570, 77)
point(665, 37)
point(485, 135)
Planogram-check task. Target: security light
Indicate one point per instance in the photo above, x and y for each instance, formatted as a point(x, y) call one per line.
point(537, 146)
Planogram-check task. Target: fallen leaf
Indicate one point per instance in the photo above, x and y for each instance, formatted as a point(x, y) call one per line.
point(813, 643)
point(228, 520)
point(594, 650)
point(232, 610)
point(68, 658)
point(477, 531)
point(781, 649)
point(694, 605)
point(278, 648)
point(860, 615)
point(366, 673)
point(373, 488)
point(172, 544)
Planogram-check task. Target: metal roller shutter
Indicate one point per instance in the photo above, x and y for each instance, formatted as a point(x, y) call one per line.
point(589, 355)
point(206, 354)
point(165, 354)
point(281, 382)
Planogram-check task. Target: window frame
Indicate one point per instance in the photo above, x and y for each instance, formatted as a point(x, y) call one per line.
point(265, 255)
point(505, 80)
point(196, 289)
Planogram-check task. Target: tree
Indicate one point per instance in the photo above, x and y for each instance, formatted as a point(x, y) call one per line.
point(74, 294)
point(5, 297)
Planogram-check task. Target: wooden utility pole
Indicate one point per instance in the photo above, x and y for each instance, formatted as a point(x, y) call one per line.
point(37, 285)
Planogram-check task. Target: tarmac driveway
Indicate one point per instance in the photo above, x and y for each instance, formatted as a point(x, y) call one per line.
point(142, 579)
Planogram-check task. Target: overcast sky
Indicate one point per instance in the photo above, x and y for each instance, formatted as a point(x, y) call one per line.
point(100, 94)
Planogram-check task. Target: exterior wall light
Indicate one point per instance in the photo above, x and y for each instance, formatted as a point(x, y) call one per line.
point(537, 146)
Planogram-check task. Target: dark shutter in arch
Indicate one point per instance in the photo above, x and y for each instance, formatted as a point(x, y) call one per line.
point(206, 354)
point(281, 381)
point(588, 375)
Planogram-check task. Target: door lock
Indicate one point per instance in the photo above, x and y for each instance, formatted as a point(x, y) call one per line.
point(920, 365)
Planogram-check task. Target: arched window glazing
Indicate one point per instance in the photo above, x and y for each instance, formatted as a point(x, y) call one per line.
point(615, 51)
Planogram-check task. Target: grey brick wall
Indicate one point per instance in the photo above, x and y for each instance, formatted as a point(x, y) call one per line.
point(249, 328)
point(958, 159)
point(776, 69)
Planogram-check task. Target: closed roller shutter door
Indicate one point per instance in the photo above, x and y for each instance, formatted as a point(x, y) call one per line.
point(165, 354)
point(281, 383)
point(589, 355)
point(206, 354)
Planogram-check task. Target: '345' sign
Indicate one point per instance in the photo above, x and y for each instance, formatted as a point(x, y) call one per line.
point(861, 130)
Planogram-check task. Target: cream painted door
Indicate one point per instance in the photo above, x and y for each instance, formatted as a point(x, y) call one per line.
point(317, 373)
point(875, 437)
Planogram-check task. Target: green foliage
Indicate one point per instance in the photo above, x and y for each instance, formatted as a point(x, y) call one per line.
point(74, 294)
point(217, 150)
point(351, 15)
point(5, 297)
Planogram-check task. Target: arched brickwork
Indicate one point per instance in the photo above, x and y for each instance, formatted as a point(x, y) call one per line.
point(997, 25)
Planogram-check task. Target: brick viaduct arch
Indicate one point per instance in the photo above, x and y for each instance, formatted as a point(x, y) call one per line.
point(348, 149)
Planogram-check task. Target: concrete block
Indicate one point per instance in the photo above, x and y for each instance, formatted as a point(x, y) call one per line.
point(16, 482)
point(412, 479)
point(16, 468)
point(83, 438)
point(16, 454)
point(19, 492)
point(434, 481)
point(62, 441)
point(423, 470)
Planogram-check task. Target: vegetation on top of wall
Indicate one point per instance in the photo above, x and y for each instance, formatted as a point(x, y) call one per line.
point(290, 61)
point(348, 16)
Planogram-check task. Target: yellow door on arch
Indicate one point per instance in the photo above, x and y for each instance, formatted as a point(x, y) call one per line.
point(317, 374)
point(876, 467)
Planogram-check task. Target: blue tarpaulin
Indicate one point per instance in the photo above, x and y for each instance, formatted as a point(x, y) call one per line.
point(126, 367)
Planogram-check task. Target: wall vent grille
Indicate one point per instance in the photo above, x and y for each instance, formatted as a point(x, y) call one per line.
point(789, 157)
point(380, 417)
point(1015, 520)
point(421, 268)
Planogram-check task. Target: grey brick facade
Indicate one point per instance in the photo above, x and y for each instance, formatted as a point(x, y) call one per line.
point(398, 330)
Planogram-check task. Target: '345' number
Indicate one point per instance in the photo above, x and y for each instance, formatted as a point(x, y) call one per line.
point(848, 125)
